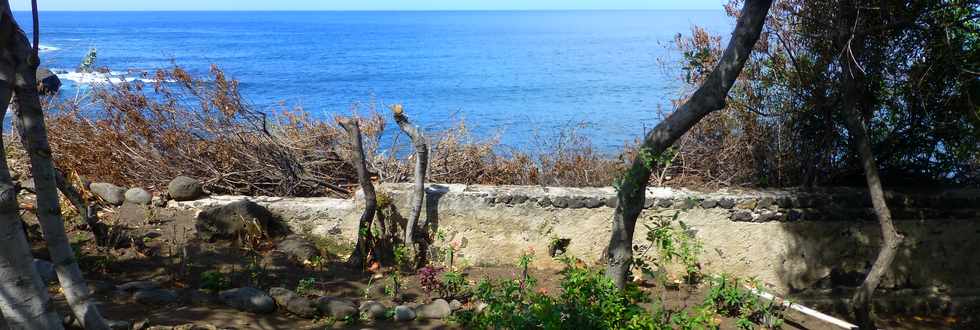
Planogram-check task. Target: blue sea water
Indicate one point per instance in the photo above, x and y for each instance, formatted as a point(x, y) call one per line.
point(522, 75)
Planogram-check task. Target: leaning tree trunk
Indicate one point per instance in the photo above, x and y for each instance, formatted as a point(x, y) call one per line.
point(891, 239)
point(421, 162)
point(30, 121)
point(24, 301)
point(85, 210)
point(708, 98)
point(356, 259)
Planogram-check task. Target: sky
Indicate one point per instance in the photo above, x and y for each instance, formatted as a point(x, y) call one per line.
point(45, 5)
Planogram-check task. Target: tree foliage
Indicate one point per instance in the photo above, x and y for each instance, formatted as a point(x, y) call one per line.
point(920, 96)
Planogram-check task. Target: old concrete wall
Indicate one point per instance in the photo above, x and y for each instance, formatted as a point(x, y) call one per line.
point(794, 241)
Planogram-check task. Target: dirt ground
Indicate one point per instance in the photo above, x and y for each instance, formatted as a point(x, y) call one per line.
point(169, 253)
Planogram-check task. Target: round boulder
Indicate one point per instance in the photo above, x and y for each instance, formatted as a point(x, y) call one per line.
point(336, 308)
point(47, 81)
point(298, 247)
point(110, 193)
point(183, 188)
point(294, 303)
point(237, 219)
point(438, 309)
point(248, 299)
point(404, 313)
point(138, 196)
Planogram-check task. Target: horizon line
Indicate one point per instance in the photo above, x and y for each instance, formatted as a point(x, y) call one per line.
point(365, 10)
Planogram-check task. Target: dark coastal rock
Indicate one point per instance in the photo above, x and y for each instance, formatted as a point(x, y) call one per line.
point(232, 220)
point(183, 188)
point(248, 299)
point(47, 81)
point(110, 193)
point(138, 196)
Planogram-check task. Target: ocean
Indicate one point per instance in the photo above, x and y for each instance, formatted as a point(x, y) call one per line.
point(523, 76)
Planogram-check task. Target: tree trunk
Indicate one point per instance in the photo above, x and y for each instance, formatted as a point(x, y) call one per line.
point(708, 98)
point(891, 239)
point(24, 300)
point(85, 210)
point(30, 122)
point(356, 259)
point(421, 162)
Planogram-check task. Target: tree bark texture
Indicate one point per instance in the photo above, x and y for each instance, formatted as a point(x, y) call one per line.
point(421, 164)
point(709, 97)
point(360, 253)
point(30, 123)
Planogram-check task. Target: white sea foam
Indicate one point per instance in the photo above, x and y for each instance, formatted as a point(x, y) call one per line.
point(97, 78)
point(47, 48)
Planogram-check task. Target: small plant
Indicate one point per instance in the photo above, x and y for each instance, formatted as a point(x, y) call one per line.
point(729, 298)
point(214, 281)
point(306, 286)
point(673, 245)
point(429, 279)
point(400, 254)
point(454, 285)
point(394, 287)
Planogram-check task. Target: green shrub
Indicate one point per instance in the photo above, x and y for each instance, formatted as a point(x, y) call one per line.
point(214, 281)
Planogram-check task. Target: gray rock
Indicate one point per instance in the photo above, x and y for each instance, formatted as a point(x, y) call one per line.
point(138, 285)
point(544, 201)
point(46, 270)
point(480, 307)
point(373, 310)
point(665, 203)
point(709, 203)
point(183, 188)
point(404, 313)
point(336, 308)
point(298, 247)
point(110, 193)
point(518, 199)
point(592, 202)
point(47, 82)
point(742, 215)
point(236, 219)
point(455, 305)
point(155, 297)
point(611, 201)
point(248, 299)
point(294, 303)
point(726, 203)
point(438, 309)
point(138, 196)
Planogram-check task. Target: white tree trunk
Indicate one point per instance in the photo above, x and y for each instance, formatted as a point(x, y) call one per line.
point(30, 123)
point(24, 300)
